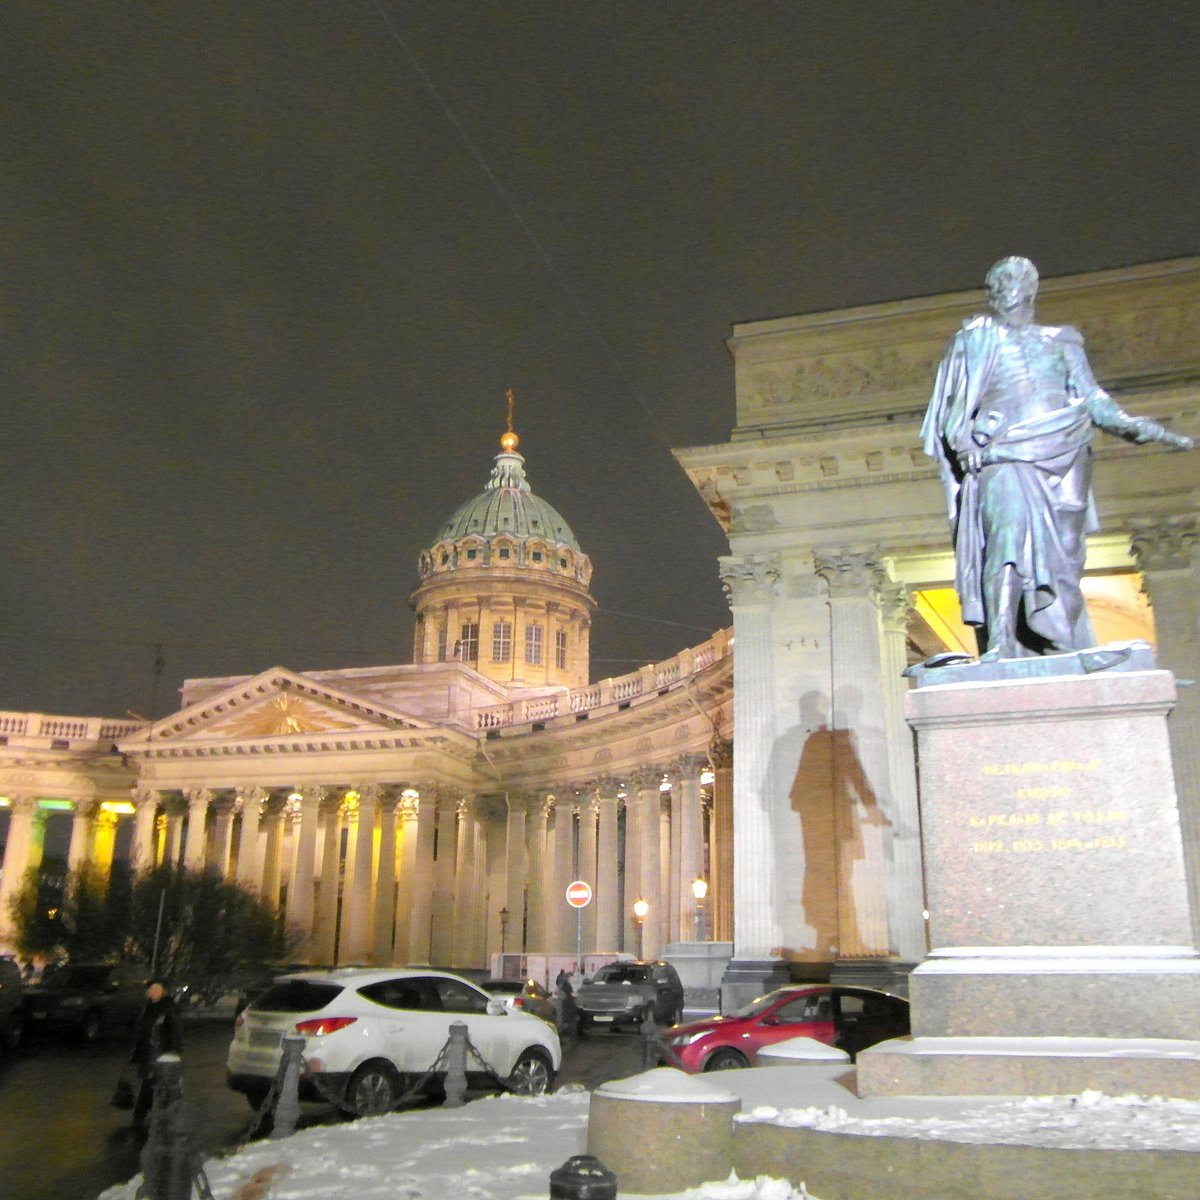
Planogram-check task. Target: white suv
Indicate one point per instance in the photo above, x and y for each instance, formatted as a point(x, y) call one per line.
point(372, 1032)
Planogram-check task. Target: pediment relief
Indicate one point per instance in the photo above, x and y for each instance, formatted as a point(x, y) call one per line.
point(281, 715)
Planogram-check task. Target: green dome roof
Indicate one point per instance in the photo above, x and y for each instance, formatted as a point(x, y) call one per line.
point(508, 506)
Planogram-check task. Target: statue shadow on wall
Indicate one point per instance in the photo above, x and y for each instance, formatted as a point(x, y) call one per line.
point(834, 801)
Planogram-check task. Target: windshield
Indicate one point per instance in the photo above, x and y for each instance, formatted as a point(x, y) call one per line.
point(296, 996)
point(622, 973)
point(757, 1006)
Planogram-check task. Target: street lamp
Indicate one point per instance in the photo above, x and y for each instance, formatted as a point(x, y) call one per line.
point(699, 890)
point(640, 909)
point(504, 915)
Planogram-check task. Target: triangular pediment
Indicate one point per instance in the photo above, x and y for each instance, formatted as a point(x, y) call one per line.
point(279, 704)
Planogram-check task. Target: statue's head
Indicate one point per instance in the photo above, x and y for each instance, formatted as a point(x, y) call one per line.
point(1012, 286)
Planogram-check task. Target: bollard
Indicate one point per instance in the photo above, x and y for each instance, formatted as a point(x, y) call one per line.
point(650, 1050)
point(456, 1066)
point(583, 1178)
point(170, 1158)
point(287, 1108)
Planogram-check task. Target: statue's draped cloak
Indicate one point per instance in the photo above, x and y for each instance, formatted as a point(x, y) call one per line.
point(1035, 512)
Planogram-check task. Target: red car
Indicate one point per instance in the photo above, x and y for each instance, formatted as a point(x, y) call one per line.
point(851, 1018)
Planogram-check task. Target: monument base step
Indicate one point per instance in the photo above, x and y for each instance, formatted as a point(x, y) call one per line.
point(1050, 1066)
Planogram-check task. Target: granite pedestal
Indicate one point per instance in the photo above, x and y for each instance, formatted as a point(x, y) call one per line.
point(1062, 956)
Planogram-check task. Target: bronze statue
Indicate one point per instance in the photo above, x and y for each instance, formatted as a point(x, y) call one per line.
point(1010, 425)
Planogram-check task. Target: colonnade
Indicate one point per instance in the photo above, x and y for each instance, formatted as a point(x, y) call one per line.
point(425, 873)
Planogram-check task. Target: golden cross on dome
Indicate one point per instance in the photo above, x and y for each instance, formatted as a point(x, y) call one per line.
point(509, 440)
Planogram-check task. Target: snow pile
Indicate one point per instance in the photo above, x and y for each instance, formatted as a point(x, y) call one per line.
point(1088, 1121)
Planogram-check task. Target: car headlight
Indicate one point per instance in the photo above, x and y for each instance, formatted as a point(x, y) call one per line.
point(684, 1039)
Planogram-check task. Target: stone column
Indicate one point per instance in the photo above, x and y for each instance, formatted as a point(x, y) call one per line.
point(421, 912)
point(383, 951)
point(142, 850)
point(751, 583)
point(357, 934)
point(691, 840)
point(176, 809)
point(464, 882)
point(411, 884)
point(104, 841)
point(222, 834)
point(862, 798)
point(1167, 551)
point(18, 857)
point(325, 945)
point(560, 916)
point(586, 869)
point(629, 867)
point(271, 821)
point(300, 906)
point(194, 848)
point(606, 901)
point(537, 899)
point(249, 867)
point(79, 849)
point(516, 865)
point(650, 885)
point(720, 883)
point(669, 807)
point(440, 922)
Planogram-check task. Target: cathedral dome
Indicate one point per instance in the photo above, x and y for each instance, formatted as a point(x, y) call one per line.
point(507, 505)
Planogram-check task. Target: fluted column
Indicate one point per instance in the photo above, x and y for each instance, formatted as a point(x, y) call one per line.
point(720, 893)
point(196, 845)
point(1168, 555)
point(691, 839)
point(420, 917)
point(560, 916)
point(219, 854)
point(464, 882)
point(142, 850)
point(902, 836)
point(22, 833)
point(357, 932)
point(407, 883)
point(587, 869)
point(670, 822)
point(383, 950)
point(249, 864)
point(538, 900)
point(649, 820)
point(176, 811)
point(440, 933)
point(607, 914)
point(629, 868)
point(751, 582)
point(104, 841)
point(325, 934)
point(271, 821)
point(861, 786)
point(79, 848)
point(300, 901)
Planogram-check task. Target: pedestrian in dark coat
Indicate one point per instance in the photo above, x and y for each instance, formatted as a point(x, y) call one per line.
point(156, 1032)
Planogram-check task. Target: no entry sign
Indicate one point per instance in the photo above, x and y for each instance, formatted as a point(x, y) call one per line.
point(579, 894)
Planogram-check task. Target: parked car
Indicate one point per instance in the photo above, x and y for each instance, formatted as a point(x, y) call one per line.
point(370, 1033)
point(851, 1018)
point(621, 994)
point(529, 996)
point(12, 1019)
point(86, 999)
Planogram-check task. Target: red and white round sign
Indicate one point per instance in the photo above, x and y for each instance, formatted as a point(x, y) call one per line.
point(579, 894)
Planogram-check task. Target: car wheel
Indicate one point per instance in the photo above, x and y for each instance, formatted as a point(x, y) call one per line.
point(373, 1090)
point(91, 1025)
point(533, 1075)
point(725, 1060)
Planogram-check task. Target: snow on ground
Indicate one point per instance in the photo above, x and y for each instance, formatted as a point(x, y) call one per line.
point(505, 1148)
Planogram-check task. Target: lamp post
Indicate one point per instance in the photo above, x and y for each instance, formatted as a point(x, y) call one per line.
point(640, 909)
point(504, 915)
point(699, 890)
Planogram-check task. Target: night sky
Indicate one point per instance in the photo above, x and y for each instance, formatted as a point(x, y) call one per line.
point(268, 270)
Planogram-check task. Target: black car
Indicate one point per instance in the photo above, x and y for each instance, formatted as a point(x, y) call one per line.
point(86, 999)
point(623, 994)
point(12, 1019)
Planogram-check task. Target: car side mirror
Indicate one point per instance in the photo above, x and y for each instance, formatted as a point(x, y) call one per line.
point(772, 1020)
point(496, 1008)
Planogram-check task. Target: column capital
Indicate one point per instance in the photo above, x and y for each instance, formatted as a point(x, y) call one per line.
point(894, 604)
point(750, 578)
point(851, 573)
point(687, 766)
point(197, 796)
point(142, 795)
point(1164, 543)
point(646, 779)
point(720, 754)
